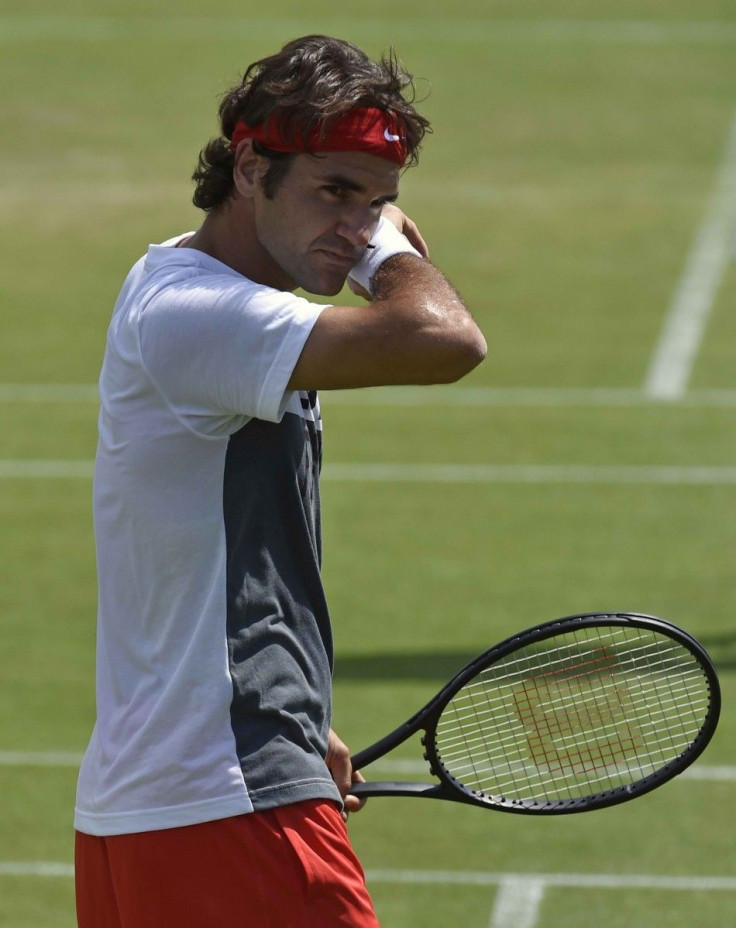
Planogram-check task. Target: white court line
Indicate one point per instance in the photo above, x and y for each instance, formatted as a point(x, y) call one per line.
point(436, 396)
point(465, 878)
point(418, 396)
point(35, 28)
point(698, 772)
point(532, 474)
point(49, 393)
point(684, 325)
point(564, 880)
point(558, 397)
point(35, 868)
point(541, 881)
point(40, 758)
point(543, 474)
point(73, 759)
point(517, 903)
point(46, 470)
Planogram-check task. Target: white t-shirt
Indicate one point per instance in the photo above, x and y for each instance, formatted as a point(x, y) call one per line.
point(213, 651)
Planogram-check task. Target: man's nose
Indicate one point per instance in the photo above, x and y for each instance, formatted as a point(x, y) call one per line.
point(357, 228)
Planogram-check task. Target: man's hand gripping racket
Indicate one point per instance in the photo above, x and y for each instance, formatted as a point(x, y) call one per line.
point(576, 714)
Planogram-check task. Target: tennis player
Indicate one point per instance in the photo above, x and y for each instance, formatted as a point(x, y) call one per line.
point(213, 791)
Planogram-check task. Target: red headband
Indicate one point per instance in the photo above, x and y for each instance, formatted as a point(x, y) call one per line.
point(370, 130)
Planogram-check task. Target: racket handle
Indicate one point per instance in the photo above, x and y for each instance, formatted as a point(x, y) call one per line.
point(396, 788)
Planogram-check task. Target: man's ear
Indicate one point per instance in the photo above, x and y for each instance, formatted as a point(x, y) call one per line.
point(248, 170)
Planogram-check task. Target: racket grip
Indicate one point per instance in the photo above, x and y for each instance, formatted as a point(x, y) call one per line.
point(396, 788)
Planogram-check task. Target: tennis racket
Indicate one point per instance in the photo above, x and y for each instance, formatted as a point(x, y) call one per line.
point(573, 715)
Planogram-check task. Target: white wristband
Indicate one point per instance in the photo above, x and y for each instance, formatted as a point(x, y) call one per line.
point(386, 242)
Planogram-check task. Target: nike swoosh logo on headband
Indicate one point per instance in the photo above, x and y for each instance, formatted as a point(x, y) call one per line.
point(390, 137)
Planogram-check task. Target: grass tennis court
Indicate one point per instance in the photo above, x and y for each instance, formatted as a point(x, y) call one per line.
point(580, 190)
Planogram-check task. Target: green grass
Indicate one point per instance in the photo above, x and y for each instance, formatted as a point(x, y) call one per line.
point(572, 161)
point(29, 902)
point(632, 908)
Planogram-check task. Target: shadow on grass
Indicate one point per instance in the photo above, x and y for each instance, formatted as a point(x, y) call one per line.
point(433, 665)
point(440, 666)
point(722, 649)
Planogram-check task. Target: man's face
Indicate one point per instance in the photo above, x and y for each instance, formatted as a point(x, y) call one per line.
point(322, 216)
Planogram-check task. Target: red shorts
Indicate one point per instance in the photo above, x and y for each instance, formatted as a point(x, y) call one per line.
point(291, 867)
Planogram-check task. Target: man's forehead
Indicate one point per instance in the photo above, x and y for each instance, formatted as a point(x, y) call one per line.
point(359, 168)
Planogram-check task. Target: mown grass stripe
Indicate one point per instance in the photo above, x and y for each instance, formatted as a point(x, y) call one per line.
point(33, 28)
point(547, 474)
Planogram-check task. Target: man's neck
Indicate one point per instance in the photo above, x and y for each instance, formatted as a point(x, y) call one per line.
point(228, 235)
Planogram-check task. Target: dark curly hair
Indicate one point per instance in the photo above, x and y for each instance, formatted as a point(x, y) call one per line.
point(310, 82)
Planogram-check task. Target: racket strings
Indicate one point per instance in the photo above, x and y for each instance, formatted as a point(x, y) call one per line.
point(492, 699)
point(465, 744)
point(587, 711)
point(657, 718)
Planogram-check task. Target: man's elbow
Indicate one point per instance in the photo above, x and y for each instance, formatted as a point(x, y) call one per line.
point(467, 350)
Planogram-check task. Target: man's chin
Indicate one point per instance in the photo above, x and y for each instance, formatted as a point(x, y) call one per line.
point(324, 288)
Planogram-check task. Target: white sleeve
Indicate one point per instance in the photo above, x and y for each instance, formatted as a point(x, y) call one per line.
point(224, 348)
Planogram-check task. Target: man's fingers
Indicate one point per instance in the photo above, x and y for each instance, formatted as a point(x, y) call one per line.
point(407, 227)
point(412, 232)
point(354, 803)
point(338, 762)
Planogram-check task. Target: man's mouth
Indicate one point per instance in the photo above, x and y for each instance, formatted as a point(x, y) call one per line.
point(346, 260)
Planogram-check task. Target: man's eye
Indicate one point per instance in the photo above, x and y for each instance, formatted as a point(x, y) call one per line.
point(335, 190)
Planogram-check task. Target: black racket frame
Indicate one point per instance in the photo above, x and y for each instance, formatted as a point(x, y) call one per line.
point(450, 789)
